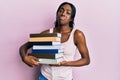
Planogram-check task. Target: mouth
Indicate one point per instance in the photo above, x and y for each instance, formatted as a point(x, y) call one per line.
point(62, 18)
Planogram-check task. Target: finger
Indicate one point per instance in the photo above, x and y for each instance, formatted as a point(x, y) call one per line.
point(36, 63)
point(36, 59)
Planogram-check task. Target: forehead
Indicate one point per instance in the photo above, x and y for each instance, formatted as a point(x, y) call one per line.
point(67, 7)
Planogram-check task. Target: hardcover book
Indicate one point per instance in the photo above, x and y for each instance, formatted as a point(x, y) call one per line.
point(46, 35)
point(38, 47)
point(45, 39)
point(48, 56)
point(44, 43)
point(50, 61)
point(50, 51)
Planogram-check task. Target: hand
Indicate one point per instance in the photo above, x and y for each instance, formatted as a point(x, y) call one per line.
point(63, 63)
point(55, 64)
point(31, 61)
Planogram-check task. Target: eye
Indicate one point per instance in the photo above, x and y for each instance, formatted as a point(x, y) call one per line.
point(68, 12)
point(61, 10)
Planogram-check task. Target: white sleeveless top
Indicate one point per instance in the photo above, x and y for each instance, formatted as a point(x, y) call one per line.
point(61, 72)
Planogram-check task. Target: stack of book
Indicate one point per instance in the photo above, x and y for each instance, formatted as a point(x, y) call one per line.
point(47, 47)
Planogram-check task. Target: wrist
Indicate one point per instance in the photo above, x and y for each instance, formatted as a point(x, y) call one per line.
point(64, 63)
point(24, 57)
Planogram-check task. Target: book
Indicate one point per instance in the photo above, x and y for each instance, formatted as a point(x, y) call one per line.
point(49, 56)
point(45, 39)
point(46, 35)
point(50, 61)
point(38, 47)
point(49, 51)
point(44, 43)
point(46, 47)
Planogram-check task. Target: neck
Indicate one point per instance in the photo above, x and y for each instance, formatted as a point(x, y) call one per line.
point(64, 29)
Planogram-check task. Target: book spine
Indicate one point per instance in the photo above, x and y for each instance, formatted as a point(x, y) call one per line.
point(45, 39)
point(49, 51)
point(48, 56)
point(44, 43)
point(50, 61)
point(46, 35)
point(38, 47)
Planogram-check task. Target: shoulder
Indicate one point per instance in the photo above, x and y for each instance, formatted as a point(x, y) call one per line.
point(78, 33)
point(78, 36)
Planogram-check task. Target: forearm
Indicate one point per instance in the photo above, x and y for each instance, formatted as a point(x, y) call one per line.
point(76, 63)
point(23, 50)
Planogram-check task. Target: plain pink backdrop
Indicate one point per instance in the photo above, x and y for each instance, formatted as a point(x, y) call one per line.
point(98, 19)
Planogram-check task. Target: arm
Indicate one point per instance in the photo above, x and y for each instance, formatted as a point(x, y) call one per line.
point(29, 60)
point(23, 50)
point(80, 42)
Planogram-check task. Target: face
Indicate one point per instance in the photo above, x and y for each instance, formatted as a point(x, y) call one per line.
point(64, 15)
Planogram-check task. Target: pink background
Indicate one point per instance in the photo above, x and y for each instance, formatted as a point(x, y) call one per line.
point(98, 19)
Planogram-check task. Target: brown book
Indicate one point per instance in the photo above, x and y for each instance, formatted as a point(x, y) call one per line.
point(46, 35)
point(47, 56)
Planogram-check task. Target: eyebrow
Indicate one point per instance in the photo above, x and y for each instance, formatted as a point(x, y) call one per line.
point(66, 9)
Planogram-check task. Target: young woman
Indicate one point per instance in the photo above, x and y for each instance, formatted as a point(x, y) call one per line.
point(71, 39)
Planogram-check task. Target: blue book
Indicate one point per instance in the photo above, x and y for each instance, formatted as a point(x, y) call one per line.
point(50, 51)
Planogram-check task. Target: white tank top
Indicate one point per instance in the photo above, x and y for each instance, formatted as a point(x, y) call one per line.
point(61, 72)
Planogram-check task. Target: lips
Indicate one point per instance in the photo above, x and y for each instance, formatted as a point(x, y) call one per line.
point(62, 18)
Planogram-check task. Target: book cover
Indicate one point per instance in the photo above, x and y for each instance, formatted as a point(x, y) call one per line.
point(45, 39)
point(50, 61)
point(48, 56)
point(38, 47)
point(44, 43)
point(46, 35)
point(50, 51)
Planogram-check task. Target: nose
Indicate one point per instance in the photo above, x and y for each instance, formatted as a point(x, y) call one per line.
point(63, 13)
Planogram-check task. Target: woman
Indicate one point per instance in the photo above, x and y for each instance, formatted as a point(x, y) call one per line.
point(71, 39)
